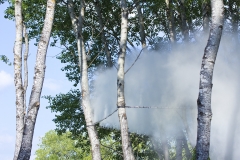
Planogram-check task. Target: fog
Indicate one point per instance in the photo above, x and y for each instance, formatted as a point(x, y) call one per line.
point(170, 82)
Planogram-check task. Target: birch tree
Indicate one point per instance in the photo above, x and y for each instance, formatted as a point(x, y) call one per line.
point(103, 37)
point(77, 24)
point(18, 77)
point(34, 102)
point(205, 13)
point(234, 16)
point(141, 24)
point(126, 145)
point(205, 86)
point(170, 21)
point(184, 26)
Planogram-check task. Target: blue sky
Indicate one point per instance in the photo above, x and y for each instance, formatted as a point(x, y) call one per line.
point(54, 83)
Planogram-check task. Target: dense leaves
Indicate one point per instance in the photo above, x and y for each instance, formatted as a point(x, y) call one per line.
point(69, 114)
point(70, 117)
point(61, 147)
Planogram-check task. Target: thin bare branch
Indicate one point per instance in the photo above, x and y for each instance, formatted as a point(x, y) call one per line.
point(103, 118)
point(134, 61)
point(149, 107)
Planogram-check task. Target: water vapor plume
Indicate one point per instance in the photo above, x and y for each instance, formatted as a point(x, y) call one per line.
point(170, 82)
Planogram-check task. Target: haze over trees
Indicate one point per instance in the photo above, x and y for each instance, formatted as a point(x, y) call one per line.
point(96, 37)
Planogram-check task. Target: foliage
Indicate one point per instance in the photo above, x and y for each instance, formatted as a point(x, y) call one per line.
point(69, 114)
point(69, 117)
point(60, 147)
point(154, 13)
point(155, 25)
point(5, 60)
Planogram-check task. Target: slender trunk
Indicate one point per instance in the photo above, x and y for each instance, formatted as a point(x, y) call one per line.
point(77, 26)
point(156, 147)
point(179, 148)
point(184, 28)
point(170, 20)
point(126, 145)
point(18, 77)
point(185, 146)
point(34, 104)
point(205, 86)
point(141, 24)
point(25, 66)
point(234, 13)
point(205, 14)
point(165, 149)
point(104, 41)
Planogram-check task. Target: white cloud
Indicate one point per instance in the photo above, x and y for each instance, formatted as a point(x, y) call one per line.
point(6, 79)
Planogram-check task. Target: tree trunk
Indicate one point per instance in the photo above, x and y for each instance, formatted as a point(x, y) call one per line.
point(170, 21)
point(141, 24)
point(104, 41)
point(34, 104)
point(126, 145)
point(156, 147)
point(185, 146)
point(165, 149)
point(77, 26)
point(205, 14)
point(179, 148)
point(234, 13)
point(25, 66)
point(205, 86)
point(18, 77)
point(184, 28)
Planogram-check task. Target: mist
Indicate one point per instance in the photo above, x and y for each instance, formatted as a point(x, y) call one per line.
point(170, 82)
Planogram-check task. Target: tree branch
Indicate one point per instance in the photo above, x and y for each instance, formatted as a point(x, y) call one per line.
point(134, 61)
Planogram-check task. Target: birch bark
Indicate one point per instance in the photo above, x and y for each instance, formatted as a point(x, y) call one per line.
point(205, 86)
point(126, 145)
point(34, 103)
point(77, 26)
point(25, 66)
point(18, 77)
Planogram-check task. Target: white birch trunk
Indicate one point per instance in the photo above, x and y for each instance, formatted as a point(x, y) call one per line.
point(18, 77)
point(77, 26)
point(126, 145)
point(205, 86)
point(25, 66)
point(34, 103)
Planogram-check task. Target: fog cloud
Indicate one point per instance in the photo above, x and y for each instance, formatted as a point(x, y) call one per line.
point(171, 83)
